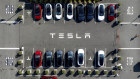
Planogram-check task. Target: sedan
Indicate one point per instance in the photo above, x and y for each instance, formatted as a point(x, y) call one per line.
point(90, 11)
point(101, 12)
point(80, 12)
point(69, 59)
point(100, 58)
point(48, 77)
point(37, 58)
point(69, 11)
point(48, 59)
point(48, 11)
point(58, 11)
point(80, 57)
point(59, 58)
point(111, 12)
point(37, 11)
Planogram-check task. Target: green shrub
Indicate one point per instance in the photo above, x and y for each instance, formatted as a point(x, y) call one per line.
point(55, 71)
point(89, 72)
point(19, 62)
point(97, 72)
point(28, 72)
point(72, 71)
point(20, 72)
point(63, 71)
point(79, 71)
point(46, 72)
point(20, 53)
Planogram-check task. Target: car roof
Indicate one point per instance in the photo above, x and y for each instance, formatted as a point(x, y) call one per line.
point(101, 52)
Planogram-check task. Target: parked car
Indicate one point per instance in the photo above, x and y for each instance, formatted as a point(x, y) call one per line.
point(89, 11)
point(101, 12)
point(69, 11)
point(69, 59)
point(59, 58)
point(48, 77)
point(37, 11)
point(80, 12)
point(58, 11)
point(48, 59)
point(111, 12)
point(37, 58)
point(80, 57)
point(101, 58)
point(48, 11)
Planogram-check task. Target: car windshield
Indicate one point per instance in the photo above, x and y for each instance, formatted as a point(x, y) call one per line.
point(81, 11)
point(101, 59)
point(37, 10)
point(81, 58)
point(58, 10)
point(59, 60)
point(101, 10)
point(70, 57)
point(69, 10)
point(111, 11)
point(90, 10)
point(48, 10)
point(37, 58)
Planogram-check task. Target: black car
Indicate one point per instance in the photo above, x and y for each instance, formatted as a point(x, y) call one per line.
point(59, 58)
point(80, 12)
point(89, 11)
point(48, 59)
point(69, 59)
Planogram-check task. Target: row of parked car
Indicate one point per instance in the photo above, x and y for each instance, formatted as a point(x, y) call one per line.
point(82, 12)
point(69, 58)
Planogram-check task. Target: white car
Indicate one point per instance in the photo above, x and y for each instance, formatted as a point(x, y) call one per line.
point(69, 11)
point(101, 12)
point(101, 57)
point(80, 57)
point(48, 11)
point(58, 11)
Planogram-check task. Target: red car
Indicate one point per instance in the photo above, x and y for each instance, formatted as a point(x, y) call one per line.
point(37, 12)
point(111, 12)
point(48, 77)
point(37, 58)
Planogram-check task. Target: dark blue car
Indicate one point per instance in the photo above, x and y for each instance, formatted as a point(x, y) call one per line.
point(69, 59)
point(89, 11)
point(80, 12)
point(59, 58)
point(48, 59)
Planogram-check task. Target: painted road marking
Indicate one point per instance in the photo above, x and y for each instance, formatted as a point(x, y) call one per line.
point(28, 58)
point(9, 48)
point(130, 10)
point(129, 60)
point(130, 23)
point(90, 58)
point(85, 57)
point(129, 48)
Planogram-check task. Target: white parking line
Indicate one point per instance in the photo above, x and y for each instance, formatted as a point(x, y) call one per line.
point(95, 58)
point(130, 23)
point(64, 57)
point(54, 56)
point(129, 48)
point(9, 48)
point(107, 3)
point(23, 56)
point(116, 13)
point(44, 50)
point(33, 56)
point(105, 58)
point(85, 57)
point(23, 12)
point(75, 14)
